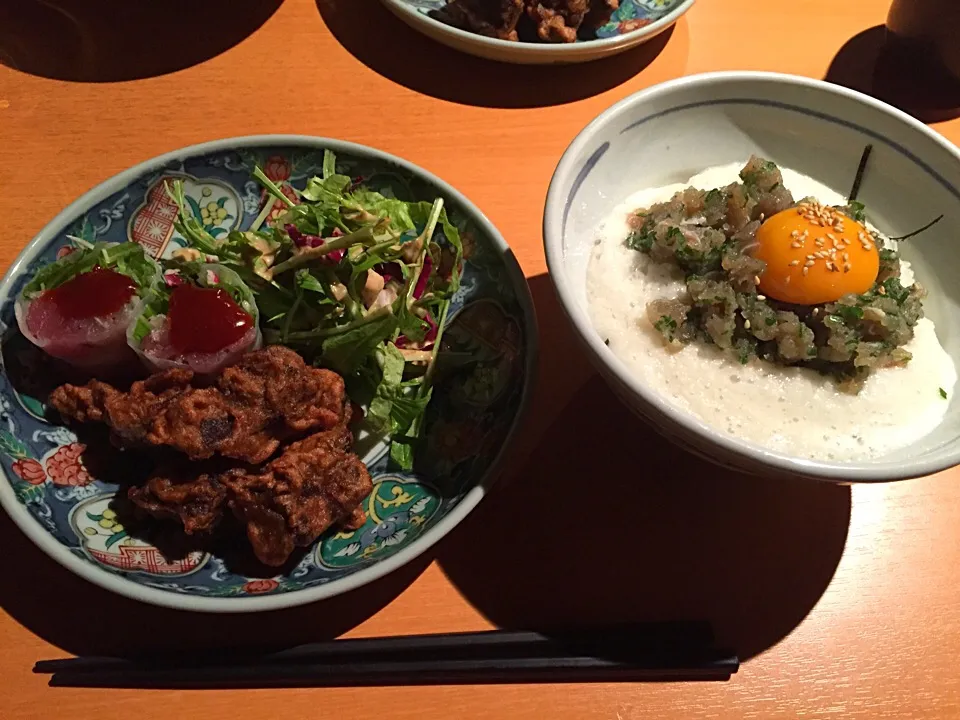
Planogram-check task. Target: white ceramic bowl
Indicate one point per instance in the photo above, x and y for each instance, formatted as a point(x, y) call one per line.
point(670, 132)
point(664, 14)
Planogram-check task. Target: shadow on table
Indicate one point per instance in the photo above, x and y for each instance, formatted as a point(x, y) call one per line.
point(897, 74)
point(83, 619)
point(389, 47)
point(112, 40)
point(607, 523)
point(599, 521)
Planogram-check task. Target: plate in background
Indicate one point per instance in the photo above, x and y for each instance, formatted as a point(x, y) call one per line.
point(634, 23)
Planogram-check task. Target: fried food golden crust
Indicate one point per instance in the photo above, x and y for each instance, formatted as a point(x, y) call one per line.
point(313, 485)
point(555, 21)
point(195, 500)
point(268, 397)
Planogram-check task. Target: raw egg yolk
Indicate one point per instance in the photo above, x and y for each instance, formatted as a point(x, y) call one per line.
point(815, 255)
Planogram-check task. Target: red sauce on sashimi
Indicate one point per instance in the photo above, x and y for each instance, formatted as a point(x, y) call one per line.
point(205, 320)
point(97, 293)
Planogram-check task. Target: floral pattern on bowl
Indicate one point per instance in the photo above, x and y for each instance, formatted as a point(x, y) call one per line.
point(56, 493)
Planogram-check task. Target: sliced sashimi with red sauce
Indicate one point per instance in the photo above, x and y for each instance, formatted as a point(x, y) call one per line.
point(97, 293)
point(205, 320)
point(204, 329)
point(84, 320)
point(159, 352)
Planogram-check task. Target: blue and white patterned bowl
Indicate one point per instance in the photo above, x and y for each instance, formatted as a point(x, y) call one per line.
point(669, 132)
point(54, 495)
point(634, 23)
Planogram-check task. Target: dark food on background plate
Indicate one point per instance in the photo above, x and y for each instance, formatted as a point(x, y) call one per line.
point(555, 21)
point(269, 396)
point(493, 18)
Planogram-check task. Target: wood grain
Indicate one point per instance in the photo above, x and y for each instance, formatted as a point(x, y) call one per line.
point(845, 602)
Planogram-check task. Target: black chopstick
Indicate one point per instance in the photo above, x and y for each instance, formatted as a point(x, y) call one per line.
point(646, 639)
point(438, 672)
point(654, 651)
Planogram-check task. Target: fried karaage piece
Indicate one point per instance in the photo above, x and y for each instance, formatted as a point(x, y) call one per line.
point(356, 520)
point(314, 484)
point(270, 396)
point(555, 21)
point(197, 501)
point(493, 18)
point(558, 20)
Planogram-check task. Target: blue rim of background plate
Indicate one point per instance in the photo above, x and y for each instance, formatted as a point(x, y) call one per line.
point(128, 588)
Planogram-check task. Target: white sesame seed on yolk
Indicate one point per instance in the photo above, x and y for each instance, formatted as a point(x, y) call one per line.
point(815, 254)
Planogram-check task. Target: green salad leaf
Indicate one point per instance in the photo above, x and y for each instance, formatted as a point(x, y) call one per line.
point(126, 258)
point(329, 163)
point(345, 352)
point(357, 281)
point(392, 364)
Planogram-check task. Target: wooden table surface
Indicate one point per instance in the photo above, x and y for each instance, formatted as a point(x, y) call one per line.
point(843, 602)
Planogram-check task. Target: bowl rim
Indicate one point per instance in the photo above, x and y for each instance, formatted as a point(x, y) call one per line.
point(545, 50)
point(128, 588)
point(859, 472)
